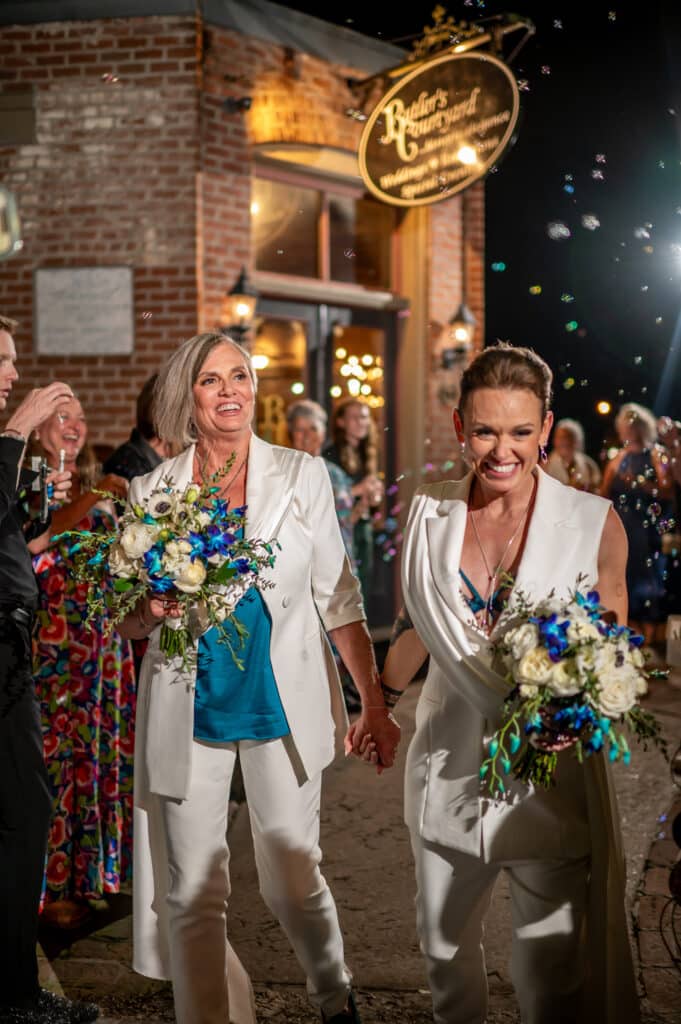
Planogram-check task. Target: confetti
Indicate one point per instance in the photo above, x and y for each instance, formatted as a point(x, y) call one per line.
point(568, 383)
point(644, 287)
point(638, 360)
point(499, 267)
point(349, 254)
point(568, 188)
point(641, 233)
point(597, 174)
point(571, 325)
point(612, 15)
point(545, 69)
point(147, 316)
point(566, 297)
point(556, 230)
point(660, 163)
point(523, 85)
point(557, 23)
point(590, 221)
point(535, 289)
point(658, 319)
point(600, 158)
point(110, 78)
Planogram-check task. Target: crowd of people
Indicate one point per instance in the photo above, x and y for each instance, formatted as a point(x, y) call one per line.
point(77, 702)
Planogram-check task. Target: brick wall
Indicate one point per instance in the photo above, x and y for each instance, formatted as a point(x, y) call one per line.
point(110, 180)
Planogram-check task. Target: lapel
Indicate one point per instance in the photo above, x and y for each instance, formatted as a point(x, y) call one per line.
point(268, 490)
point(181, 468)
point(549, 536)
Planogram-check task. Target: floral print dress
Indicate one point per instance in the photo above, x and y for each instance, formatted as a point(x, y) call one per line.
point(86, 687)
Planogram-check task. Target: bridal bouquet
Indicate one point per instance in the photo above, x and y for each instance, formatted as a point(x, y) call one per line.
point(577, 681)
point(185, 545)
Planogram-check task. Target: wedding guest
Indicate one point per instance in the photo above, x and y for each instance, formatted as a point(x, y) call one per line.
point(279, 714)
point(85, 684)
point(472, 548)
point(639, 483)
point(568, 461)
point(143, 450)
point(355, 450)
point(25, 804)
point(306, 421)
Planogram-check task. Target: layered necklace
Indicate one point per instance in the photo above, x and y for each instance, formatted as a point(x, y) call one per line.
point(493, 575)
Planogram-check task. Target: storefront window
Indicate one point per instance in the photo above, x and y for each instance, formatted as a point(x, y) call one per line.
point(279, 355)
point(361, 231)
point(284, 221)
point(358, 369)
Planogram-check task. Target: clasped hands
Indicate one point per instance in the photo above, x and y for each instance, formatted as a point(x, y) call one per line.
point(374, 737)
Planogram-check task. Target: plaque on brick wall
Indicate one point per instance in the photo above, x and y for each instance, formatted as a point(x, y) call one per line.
point(83, 311)
point(439, 129)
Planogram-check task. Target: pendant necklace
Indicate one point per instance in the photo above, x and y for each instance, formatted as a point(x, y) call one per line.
point(223, 487)
point(493, 576)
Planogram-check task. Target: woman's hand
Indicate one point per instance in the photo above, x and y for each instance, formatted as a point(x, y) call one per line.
point(375, 726)
point(161, 608)
point(116, 485)
point(60, 482)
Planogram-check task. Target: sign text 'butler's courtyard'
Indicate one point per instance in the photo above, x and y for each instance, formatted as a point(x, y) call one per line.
point(439, 129)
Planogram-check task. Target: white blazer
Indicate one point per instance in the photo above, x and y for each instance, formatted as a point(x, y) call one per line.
point(289, 497)
point(460, 707)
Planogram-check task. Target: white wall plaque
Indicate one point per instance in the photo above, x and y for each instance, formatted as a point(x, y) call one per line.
point(85, 311)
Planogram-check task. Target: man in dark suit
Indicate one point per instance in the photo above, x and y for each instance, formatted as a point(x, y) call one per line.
point(25, 804)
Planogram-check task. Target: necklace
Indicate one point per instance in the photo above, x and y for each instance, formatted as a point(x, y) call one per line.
point(493, 576)
point(224, 488)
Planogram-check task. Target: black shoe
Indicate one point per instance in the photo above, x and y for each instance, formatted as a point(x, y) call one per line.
point(349, 1016)
point(51, 1009)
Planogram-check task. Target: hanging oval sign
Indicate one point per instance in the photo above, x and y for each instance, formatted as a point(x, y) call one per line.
point(439, 129)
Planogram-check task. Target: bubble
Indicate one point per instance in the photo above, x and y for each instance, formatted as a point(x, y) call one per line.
point(620, 392)
point(400, 477)
point(597, 174)
point(556, 230)
point(658, 319)
point(644, 287)
point(545, 69)
point(280, 252)
point(638, 360)
point(641, 233)
point(600, 158)
point(393, 489)
point(584, 383)
point(566, 297)
point(655, 509)
point(568, 177)
point(571, 325)
point(644, 391)
point(612, 15)
point(557, 23)
point(569, 188)
point(649, 563)
point(524, 86)
point(568, 383)
point(590, 221)
point(660, 163)
point(499, 267)
point(535, 289)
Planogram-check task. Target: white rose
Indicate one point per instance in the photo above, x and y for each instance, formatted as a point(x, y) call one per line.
point(120, 564)
point(528, 690)
point(190, 576)
point(534, 667)
point(522, 639)
point(161, 504)
point(637, 657)
point(582, 632)
point(184, 547)
point(616, 694)
point(564, 681)
point(137, 538)
point(204, 518)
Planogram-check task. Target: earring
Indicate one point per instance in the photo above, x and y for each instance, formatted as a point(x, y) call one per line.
point(543, 457)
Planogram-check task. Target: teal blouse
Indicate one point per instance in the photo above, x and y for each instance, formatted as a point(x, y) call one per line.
point(231, 704)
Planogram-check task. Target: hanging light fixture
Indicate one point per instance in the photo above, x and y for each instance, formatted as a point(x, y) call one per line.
point(238, 308)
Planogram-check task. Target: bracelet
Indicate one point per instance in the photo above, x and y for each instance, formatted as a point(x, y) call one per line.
point(11, 432)
point(391, 696)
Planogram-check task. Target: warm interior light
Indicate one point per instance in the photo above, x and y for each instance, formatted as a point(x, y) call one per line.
point(260, 362)
point(242, 309)
point(255, 208)
point(297, 388)
point(345, 370)
point(461, 333)
point(341, 353)
point(367, 360)
point(335, 391)
point(365, 389)
point(603, 408)
point(354, 386)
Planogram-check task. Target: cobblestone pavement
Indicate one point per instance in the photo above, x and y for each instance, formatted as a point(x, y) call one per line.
point(368, 865)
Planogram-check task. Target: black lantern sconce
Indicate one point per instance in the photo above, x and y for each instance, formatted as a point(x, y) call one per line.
point(238, 308)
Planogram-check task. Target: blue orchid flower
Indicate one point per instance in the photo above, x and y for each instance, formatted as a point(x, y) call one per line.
point(591, 603)
point(553, 634)
point(160, 584)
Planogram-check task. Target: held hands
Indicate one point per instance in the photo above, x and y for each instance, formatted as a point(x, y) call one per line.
point(38, 406)
point(374, 737)
point(157, 608)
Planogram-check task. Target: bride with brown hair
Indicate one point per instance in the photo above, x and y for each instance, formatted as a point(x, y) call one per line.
point(470, 547)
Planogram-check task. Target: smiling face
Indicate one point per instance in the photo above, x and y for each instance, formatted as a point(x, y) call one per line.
point(224, 396)
point(65, 429)
point(501, 431)
point(355, 420)
point(307, 435)
point(8, 371)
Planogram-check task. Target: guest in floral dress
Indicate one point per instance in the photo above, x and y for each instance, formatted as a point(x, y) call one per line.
point(85, 684)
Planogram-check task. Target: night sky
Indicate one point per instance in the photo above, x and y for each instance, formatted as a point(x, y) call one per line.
point(598, 144)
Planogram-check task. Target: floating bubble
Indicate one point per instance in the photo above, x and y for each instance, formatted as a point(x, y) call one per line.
point(658, 319)
point(499, 267)
point(557, 23)
point(280, 252)
point(644, 287)
point(523, 85)
point(638, 360)
point(571, 325)
point(557, 230)
point(620, 392)
point(566, 297)
point(600, 158)
point(597, 174)
point(535, 289)
point(590, 221)
point(660, 163)
point(568, 177)
point(648, 249)
point(568, 383)
point(584, 383)
point(568, 188)
point(644, 391)
point(545, 69)
point(641, 233)
point(612, 15)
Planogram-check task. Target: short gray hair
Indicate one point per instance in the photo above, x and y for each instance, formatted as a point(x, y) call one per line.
point(173, 395)
point(574, 428)
point(641, 418)
point(309, 410)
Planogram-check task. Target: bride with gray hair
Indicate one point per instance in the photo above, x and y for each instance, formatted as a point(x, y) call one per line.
point(281, 714)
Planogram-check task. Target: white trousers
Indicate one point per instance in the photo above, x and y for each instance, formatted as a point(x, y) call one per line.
point(548, 906)
point(285, 825)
